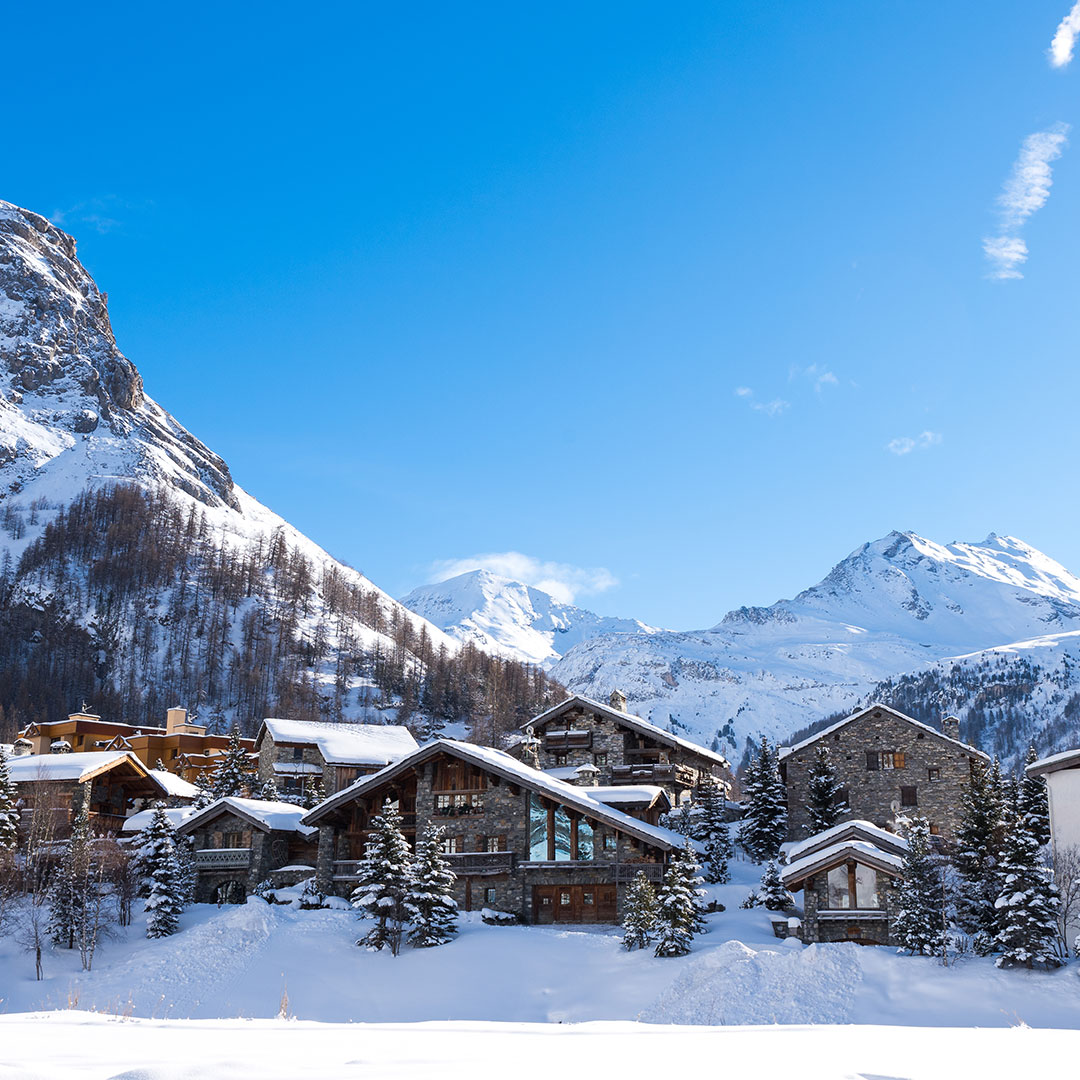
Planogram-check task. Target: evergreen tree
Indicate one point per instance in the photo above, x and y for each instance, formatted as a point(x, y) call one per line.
point(1028, 903)
point(267, 790)
point(314, 793)
point(764, 823)
point(1032, 802)
point(68, 897)
point(773, 896)
point(385, 879)
point(163, 902)
point(154, 847)
point(233, 774)
point(9, 816)
point(640, 914)
point(718, 851)
point(430, 902)
point(822, 791)
point(188, 879)
point(159, 766)
point(919, 923)
point(978, 841)
point(678, 906)
point(203, 799)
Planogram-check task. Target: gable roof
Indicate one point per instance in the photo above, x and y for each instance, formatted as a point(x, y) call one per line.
point(1067, 759)
point(877, 705)
point(629, 794)
point(514, 771)
point(78, 767)
point(264, 815)
point(175, 815)
point(855, 829)
point(176, 786)
point(343, 744)
point(858, 850)
point(629, 720)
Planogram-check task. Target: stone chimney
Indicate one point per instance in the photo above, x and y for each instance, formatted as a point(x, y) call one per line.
point(617, 700)
point(176, 721)
point(950, 727)
point(586, 775)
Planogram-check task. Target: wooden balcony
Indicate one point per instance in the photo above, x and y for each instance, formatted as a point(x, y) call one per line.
point(558, 742)
point(646, 772)
point(626, 872)
point(479, 863)
point(223, 858)
point(347, 869)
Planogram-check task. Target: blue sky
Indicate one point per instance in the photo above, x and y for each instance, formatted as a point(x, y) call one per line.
point(452, 280)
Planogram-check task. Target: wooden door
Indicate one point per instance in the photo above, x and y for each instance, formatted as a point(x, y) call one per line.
point(574, 904)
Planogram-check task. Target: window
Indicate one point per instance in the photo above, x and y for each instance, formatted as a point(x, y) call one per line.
point(884, 759)
point(585, 840)
point(851, 882)
point(459, 805)
point(599, 759)
point(495, 843)
point(836, 737)
point(839, 895)
point(611, 841)
point(538, 849)
point(933, 775)
point(489, 896)
point(842, 797)
point(564, 899)
point(909, 796)
point(452, 845)
point(560, 760)
point(298, 753)
point(935, 829)
point(587, 898)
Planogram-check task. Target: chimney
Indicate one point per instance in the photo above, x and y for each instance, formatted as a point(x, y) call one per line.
point(950, 727)
point(175, 720)
point(586, 775)
point(617, 701)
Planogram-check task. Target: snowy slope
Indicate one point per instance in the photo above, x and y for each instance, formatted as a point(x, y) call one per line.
point(74, 415)
point(900, 604)
point(511, 618)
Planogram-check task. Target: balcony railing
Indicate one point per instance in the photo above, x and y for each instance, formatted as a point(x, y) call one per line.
point(347, 869)
point(558, 741)
point(461, 810)
point(469, 863)
point(628, 871)
point(223, 858)
point(630, 774)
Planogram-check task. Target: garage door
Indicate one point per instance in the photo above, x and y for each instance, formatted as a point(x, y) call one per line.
point(574, 904)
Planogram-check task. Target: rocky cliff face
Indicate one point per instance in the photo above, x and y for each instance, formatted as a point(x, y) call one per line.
point(71, 404)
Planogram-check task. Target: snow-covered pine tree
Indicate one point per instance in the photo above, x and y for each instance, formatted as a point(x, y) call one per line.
point(1027, 906)
point(203, 799)
point(678, 906)
point(681, 820)
point(68, 896)
point(640, 913)
point(314, 793)
point(384, 881)
point(163, 903)
point(430, 903)
point(764, 822)
point(188, 871)
point(9, 816)
point(772, 894)
point(919, 923)
point(159, 766)
point(823, 805)
point(978, 846)
point(1033, 803)
point(718, 851)
point(267, 790)
point(233, 775)
point(154, 846)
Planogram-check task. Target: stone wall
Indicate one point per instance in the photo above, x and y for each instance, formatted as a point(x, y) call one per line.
point(872, 793)
point(271, 752)
point(875, 929)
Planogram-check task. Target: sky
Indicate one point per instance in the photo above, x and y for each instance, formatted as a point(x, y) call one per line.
point(672, 306)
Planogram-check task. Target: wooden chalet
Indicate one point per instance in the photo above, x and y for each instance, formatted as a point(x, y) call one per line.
point(111, 783)
point(519, 840)
point(847, 875)
point(624, 748)
point(241, 842)
point(300, 754)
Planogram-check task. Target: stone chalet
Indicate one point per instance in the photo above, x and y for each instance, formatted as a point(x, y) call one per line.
point(110, 782)
point(297, 753)
point(184, 748)
point(519, 840)
point(1062, 775)
point(240, 842)
point(848, 876)
point(888, 765)
point(624, 748)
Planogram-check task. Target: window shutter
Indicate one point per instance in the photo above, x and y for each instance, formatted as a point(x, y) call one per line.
point(899, 759)
point(873, 760)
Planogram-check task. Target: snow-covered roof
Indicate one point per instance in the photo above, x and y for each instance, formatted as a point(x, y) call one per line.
point(846, 830)
point(42, 725)
point(643, 727)
point(79, 767)
point(633, 794)
point(1067, 759)
point(501, 763)
point(785, 750)
point(175, 814)
point(857, 850)
point(268, 816)
point(176, 786)
point(343, 744)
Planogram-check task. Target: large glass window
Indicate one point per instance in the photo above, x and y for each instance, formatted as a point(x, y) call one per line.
point(585, 841)
point(537, 830)
point(839, 897)
point(841, 880)
point(865, 887)
point(562, 835)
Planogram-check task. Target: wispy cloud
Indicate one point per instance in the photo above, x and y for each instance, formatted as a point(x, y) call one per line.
point(1026, 191)
point(816, 373)
point(564, 581)
point(1061, 48)
point(101, 213)
point(904, 444)
point(770, 408)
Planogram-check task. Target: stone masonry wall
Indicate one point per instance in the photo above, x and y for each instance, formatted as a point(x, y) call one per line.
point(872, 793)
point(815, 899)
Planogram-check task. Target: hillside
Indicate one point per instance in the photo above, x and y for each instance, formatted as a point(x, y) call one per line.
point(510, 618)
point(977, 617)
point(136, 573)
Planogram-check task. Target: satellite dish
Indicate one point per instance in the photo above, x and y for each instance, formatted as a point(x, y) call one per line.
point(894, 806)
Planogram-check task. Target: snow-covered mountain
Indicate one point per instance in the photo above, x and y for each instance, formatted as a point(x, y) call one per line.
point(902, 604)
point(510, 618)
point(301, 631)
